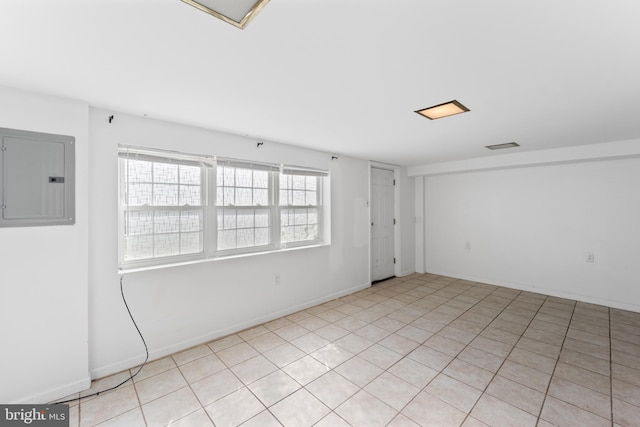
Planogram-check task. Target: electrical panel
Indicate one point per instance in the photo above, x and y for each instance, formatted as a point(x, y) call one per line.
point(37, 178)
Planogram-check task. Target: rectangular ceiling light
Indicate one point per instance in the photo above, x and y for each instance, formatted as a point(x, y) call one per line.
point(503, 146)
point(443, 110)
point(235, 12)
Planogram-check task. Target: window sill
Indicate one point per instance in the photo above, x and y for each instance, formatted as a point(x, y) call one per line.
point(126, 270)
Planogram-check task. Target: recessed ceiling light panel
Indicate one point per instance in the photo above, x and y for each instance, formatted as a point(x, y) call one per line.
point(235, 12)
point(503, 146)
point(443, 110)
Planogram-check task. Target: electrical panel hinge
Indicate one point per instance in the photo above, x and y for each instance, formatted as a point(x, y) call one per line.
point(394, 182)
point(394, 260)
point(394, 221)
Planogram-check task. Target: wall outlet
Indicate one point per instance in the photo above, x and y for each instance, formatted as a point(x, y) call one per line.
point(591, 257)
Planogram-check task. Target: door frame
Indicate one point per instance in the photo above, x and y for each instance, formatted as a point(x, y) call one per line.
point(397, 232)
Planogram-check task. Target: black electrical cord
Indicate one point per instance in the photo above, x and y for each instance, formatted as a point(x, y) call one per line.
point(139, 369)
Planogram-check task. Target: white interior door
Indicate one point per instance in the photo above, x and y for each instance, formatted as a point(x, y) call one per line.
point(382, 224)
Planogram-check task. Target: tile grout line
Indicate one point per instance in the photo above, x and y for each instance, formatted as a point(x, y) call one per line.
point(245, 385)
point(374, 343)
point(191, 389)
point(507, 357)
point(391, 333)
point(593, 390)
point(422, 343)
point(546, 393)
point(581, 352)
point(465, 347)
point(135, 389)
point(362, 389)
point(260, 353)
point(445, 367)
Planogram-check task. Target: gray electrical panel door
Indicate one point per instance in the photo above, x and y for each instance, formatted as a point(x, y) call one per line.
point(37, 178)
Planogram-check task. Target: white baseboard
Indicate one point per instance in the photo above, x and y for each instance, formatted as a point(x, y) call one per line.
point(192, 342)
point(545, 291)
point(56, 393)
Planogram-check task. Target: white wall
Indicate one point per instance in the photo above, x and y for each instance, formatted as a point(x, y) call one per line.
point(43, 272)
point(418, 207)
point(407, 223)
point(532, 227)
point(182, 306)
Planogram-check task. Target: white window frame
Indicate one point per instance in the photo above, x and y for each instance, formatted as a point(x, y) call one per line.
point(271, 206)
point(318, 205)
point(126, 154)
point(209, 206)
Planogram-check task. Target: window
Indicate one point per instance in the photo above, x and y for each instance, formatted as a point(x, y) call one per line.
point(176, 207)
point(244, 205)
point(162, 208)
point(300, 203)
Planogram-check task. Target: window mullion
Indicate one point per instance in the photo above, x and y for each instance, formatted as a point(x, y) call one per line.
point(319, 209)
point(179, 216)
point(275, 210)
point(153, 216)
point(210, 245)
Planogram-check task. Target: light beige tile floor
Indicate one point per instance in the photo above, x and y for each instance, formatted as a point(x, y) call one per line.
point(419, 350)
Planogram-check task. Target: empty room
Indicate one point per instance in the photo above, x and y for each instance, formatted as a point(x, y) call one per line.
point(319, 213)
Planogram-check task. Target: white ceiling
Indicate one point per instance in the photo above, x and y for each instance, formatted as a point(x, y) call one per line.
point(345, 76)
